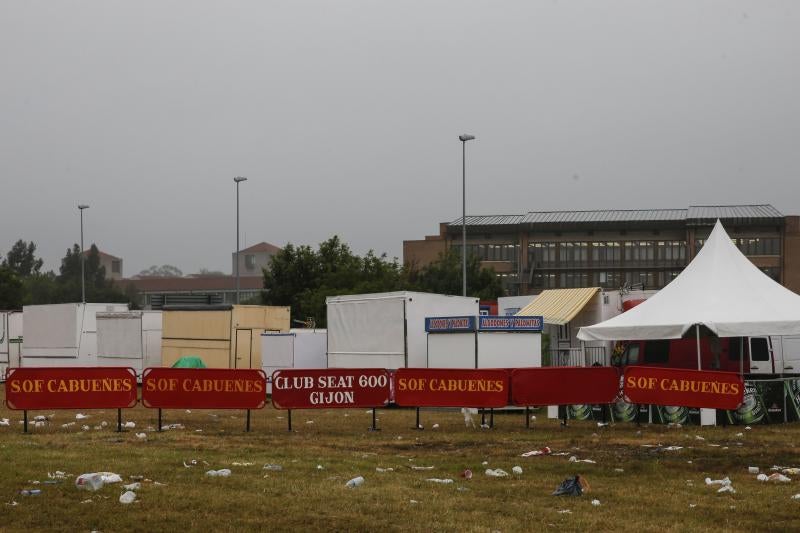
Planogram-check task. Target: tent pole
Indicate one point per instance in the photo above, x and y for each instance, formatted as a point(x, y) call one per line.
point(741, 358)
point(697, 331)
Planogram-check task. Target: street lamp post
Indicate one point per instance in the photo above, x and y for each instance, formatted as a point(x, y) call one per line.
point(81, 207)
point(464, 138)
point(238, 180)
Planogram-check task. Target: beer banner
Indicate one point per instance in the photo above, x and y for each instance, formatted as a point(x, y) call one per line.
point(451, 387)
point(564, 385)
point(204, 388)
point(70, 388)
point(326, 388)
point(679, 387)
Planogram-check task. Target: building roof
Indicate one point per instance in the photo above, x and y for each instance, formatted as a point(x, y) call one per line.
point(262, 247)
point(100, 253)
point(737, 214)
point(694, 215)
point(213, 283)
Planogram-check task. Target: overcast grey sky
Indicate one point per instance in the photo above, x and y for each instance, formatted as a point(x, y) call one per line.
point(345, 117)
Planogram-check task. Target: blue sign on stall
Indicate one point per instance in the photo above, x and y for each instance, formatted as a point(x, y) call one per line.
point(450, 324)
point(510, 323)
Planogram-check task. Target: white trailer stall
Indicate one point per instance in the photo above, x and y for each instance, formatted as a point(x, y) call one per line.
point(300, 348)
point(10, 340)
point(484, 342)
point(129, 339)
point(62, 334)
point(387, 330)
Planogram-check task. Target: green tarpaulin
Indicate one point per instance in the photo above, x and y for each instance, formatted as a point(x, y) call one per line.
point(189, 361)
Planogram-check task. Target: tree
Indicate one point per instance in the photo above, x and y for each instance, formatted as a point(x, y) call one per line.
point(12, 289)
point(444, 276)
point(98, 288)
point(21, 259)
point(302, 278)
point(163, 271)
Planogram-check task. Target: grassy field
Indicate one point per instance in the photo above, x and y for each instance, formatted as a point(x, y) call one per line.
point(640, 488)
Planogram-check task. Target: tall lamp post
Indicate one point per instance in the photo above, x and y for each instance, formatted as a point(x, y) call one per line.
point(464, 138)
point(81, 207)
point(238, 180)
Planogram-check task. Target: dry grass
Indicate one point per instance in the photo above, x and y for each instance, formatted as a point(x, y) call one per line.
point(652, 493)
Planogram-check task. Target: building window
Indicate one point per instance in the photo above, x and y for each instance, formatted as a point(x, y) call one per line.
point(250, 261)
point(116, 266)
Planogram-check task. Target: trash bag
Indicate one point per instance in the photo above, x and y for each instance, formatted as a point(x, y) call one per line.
point(572, 486)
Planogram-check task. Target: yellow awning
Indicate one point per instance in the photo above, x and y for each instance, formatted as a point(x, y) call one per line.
point(559, 306)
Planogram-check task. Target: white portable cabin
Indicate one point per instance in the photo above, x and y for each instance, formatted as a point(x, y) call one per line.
point(10, 340)
point(484, 342)
point(386, 330)
point(129, 339)
point(300, 348)
point(62, 334)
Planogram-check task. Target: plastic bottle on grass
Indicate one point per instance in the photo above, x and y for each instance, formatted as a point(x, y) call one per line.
point(355, 482)
point(89, 482)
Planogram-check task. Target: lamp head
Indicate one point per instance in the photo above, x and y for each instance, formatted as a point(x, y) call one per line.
point(465, 137)
point(238, 179)
point(83, 206)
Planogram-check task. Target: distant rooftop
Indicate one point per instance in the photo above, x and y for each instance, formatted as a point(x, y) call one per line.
point(262, 247)
point(694, 215)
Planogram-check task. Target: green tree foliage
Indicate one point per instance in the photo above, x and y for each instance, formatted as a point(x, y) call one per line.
point(445, 277)
point(302, 278)
point(163, 271)
point(21, 259)
point(98, 288)
point(12, 289)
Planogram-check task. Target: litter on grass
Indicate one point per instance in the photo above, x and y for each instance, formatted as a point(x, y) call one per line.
point(81, 416)
point(574, 459)
point(141, 436)
point(379, 469)
point(724, 481)
point(219, 473)
point(127, 497)
point(727, 488)
point(272, 467)
point(497, 472)
point(437, 480)
point(572, 486)
point(595, 502)
point(517, 470)
point(415, 467)
point(533, 453)
point(129, 425)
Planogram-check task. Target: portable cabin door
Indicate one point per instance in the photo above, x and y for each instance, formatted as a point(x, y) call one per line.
point(244, 348)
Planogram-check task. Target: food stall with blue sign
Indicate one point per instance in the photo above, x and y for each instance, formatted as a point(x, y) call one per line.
point(484, 341)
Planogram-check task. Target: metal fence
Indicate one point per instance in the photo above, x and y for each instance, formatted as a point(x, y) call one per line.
point(587, 356)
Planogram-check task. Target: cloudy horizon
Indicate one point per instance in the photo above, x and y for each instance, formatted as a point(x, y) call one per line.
point(345, 118)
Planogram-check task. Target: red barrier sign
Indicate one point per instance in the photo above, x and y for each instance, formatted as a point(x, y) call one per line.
point(688, 388)
point(451, 387)
point(326, 388)
point(564, 385)
point(70, 388)
point(204, 388)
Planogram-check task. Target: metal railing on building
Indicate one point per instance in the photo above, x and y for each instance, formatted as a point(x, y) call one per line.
point(586, 356)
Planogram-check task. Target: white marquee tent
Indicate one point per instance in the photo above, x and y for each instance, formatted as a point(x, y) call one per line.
point(720, 289)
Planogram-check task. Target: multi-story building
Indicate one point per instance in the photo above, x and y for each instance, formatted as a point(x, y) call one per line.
point(254, 258)
point(112, 264)
point(613, 248)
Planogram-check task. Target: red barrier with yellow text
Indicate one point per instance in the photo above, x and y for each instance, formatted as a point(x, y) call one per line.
point(451, 387)
point(204, 388)
point(70, 388)
point(326, 388)
point(687, 388)
point(564, 385)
